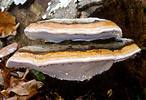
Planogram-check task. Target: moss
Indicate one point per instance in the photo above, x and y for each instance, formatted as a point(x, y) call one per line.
point(39, 75)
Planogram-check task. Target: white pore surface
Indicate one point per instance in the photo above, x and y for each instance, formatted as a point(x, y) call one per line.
point(78, 71)
point(74, 37)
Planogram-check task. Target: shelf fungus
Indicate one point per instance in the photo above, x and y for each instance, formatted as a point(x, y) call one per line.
point(85, 29)
point(8, 25)
point(77, 60)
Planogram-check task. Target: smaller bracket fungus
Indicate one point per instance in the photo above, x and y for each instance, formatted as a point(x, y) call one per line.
point(86, 29)
point(75, 61)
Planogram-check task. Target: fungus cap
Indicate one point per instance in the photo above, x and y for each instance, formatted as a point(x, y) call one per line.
point(84, 29)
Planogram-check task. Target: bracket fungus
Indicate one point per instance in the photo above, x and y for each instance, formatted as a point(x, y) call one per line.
point(79, 59)
point(85, 29)
point(74, 61)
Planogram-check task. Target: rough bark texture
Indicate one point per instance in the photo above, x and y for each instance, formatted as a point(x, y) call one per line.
point(131, 17)
point(32, 11)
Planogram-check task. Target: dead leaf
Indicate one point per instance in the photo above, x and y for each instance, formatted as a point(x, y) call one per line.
point(56, 96)
point(13, 98)
point(109, 92)
point(8, 49)
point(18, 98)
point(22, 89)
point(1, 79)
point(5, 73)
point(8, 25)
point(14, 82)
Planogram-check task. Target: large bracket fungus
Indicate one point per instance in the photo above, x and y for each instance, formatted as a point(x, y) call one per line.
point(79, 59)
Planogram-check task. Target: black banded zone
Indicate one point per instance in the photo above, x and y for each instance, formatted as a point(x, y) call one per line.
point(109, 44)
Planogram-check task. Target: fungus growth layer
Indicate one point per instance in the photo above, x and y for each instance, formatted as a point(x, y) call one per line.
point(74, 60)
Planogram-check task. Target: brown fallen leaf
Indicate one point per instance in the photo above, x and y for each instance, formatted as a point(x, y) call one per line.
point(5, 73)
point(109, 92)
point(8, 49)
point(56, 96)
point(22, 89)
point(8, 25)
point(1, 79)
point(13, 98)
point(17, 98)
